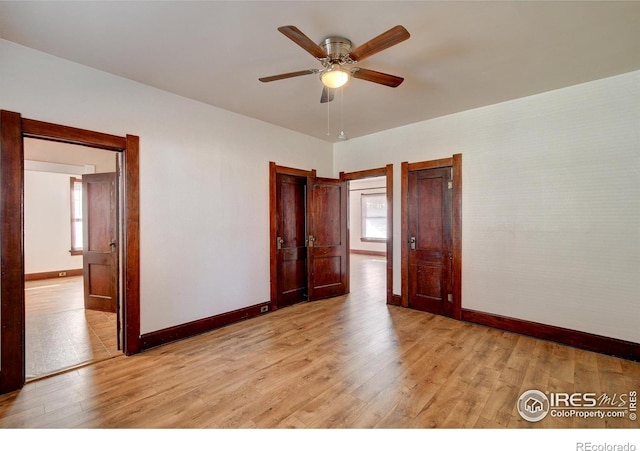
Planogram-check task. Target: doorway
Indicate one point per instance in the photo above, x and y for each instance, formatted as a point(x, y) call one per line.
point(308, 235)
point(62, 331)
point(13, 129)
point(431, 236)
point(373, 247)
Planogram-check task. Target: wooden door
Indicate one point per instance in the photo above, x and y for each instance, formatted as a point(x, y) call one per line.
point(291, 234)
point(327, 241)
point(100, 247)
point(430, 240)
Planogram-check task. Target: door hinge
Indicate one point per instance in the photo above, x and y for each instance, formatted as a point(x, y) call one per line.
point(450, 297)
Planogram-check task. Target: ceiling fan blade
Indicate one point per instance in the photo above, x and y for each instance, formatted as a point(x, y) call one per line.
point(287, 75)
point(303, 41)
point(327, 95)
point(387, 39)
point(377, 77)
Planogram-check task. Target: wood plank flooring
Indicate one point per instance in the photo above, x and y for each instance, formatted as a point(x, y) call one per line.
point(346, 362)
point(59, 333)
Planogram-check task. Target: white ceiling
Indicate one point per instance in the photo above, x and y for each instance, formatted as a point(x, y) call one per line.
point(461, 55)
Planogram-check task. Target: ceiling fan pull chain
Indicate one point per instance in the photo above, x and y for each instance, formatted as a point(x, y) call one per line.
point(341, 112)
point(342, 136)
point(328, 113)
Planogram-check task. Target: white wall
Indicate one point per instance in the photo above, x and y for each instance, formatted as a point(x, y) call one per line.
point(47, 226)
point(71, 154)
point(204, 180)
point(357, 188)
point(550, 203)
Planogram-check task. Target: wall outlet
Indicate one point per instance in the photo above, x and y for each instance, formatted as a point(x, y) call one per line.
point(62, 274)
point(264, 308)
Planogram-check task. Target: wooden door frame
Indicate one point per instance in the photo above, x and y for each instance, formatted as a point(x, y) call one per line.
point(456, 163)
point(13, 130)
point(274, 170)
point(387, 172)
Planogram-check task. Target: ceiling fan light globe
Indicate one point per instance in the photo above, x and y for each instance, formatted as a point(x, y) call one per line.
point(334, 77)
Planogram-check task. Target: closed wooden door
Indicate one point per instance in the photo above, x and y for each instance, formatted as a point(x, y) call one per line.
point(430, 240)
point(327, 241)
point(100, 246)
point(291, 231)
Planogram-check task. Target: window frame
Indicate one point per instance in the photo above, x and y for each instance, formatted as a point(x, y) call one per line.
point(364, 217)
point(73, 215)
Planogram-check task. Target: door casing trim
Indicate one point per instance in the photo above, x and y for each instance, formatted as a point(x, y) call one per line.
point(13, 130)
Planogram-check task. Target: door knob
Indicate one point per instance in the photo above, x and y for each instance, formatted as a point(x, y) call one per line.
point(412, 242)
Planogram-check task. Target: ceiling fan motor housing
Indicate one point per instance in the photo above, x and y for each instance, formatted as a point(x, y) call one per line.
point(337, 49)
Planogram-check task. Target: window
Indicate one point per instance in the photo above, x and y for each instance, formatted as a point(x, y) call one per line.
point(374, 217)
point(76, 216)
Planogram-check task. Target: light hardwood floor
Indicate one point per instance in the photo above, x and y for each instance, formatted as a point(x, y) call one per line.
point(60, 334)
point(346, 362)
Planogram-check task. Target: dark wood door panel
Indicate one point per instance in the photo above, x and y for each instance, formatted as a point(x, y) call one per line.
point(430, 231)
point(291, 231)
point(292, 219)
point(100, 252)
point(293, 281)
point(427, 291)
point(327, 251)
point(429, 209)
point(328, 277)
point(100, 291)
point(100, 220)
point(328, 213)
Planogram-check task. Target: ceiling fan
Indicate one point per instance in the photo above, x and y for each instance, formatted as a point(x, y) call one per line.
point(335, 53)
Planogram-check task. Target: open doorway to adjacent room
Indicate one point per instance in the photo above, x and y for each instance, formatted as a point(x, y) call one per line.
point(370, 213)
point(62, 330)
point(368, 236)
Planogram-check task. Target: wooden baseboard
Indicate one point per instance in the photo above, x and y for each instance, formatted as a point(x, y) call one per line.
point(396, 299)
point(364, 252)
point(583, 340)
point(175, 333)
point(53, 274)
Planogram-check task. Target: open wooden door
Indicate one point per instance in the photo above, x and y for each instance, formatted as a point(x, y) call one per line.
point(291, 239)
point(308, 233)
point(328, 255)
point(100, 249)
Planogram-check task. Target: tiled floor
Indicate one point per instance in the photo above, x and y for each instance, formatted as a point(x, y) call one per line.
point(60, 333)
